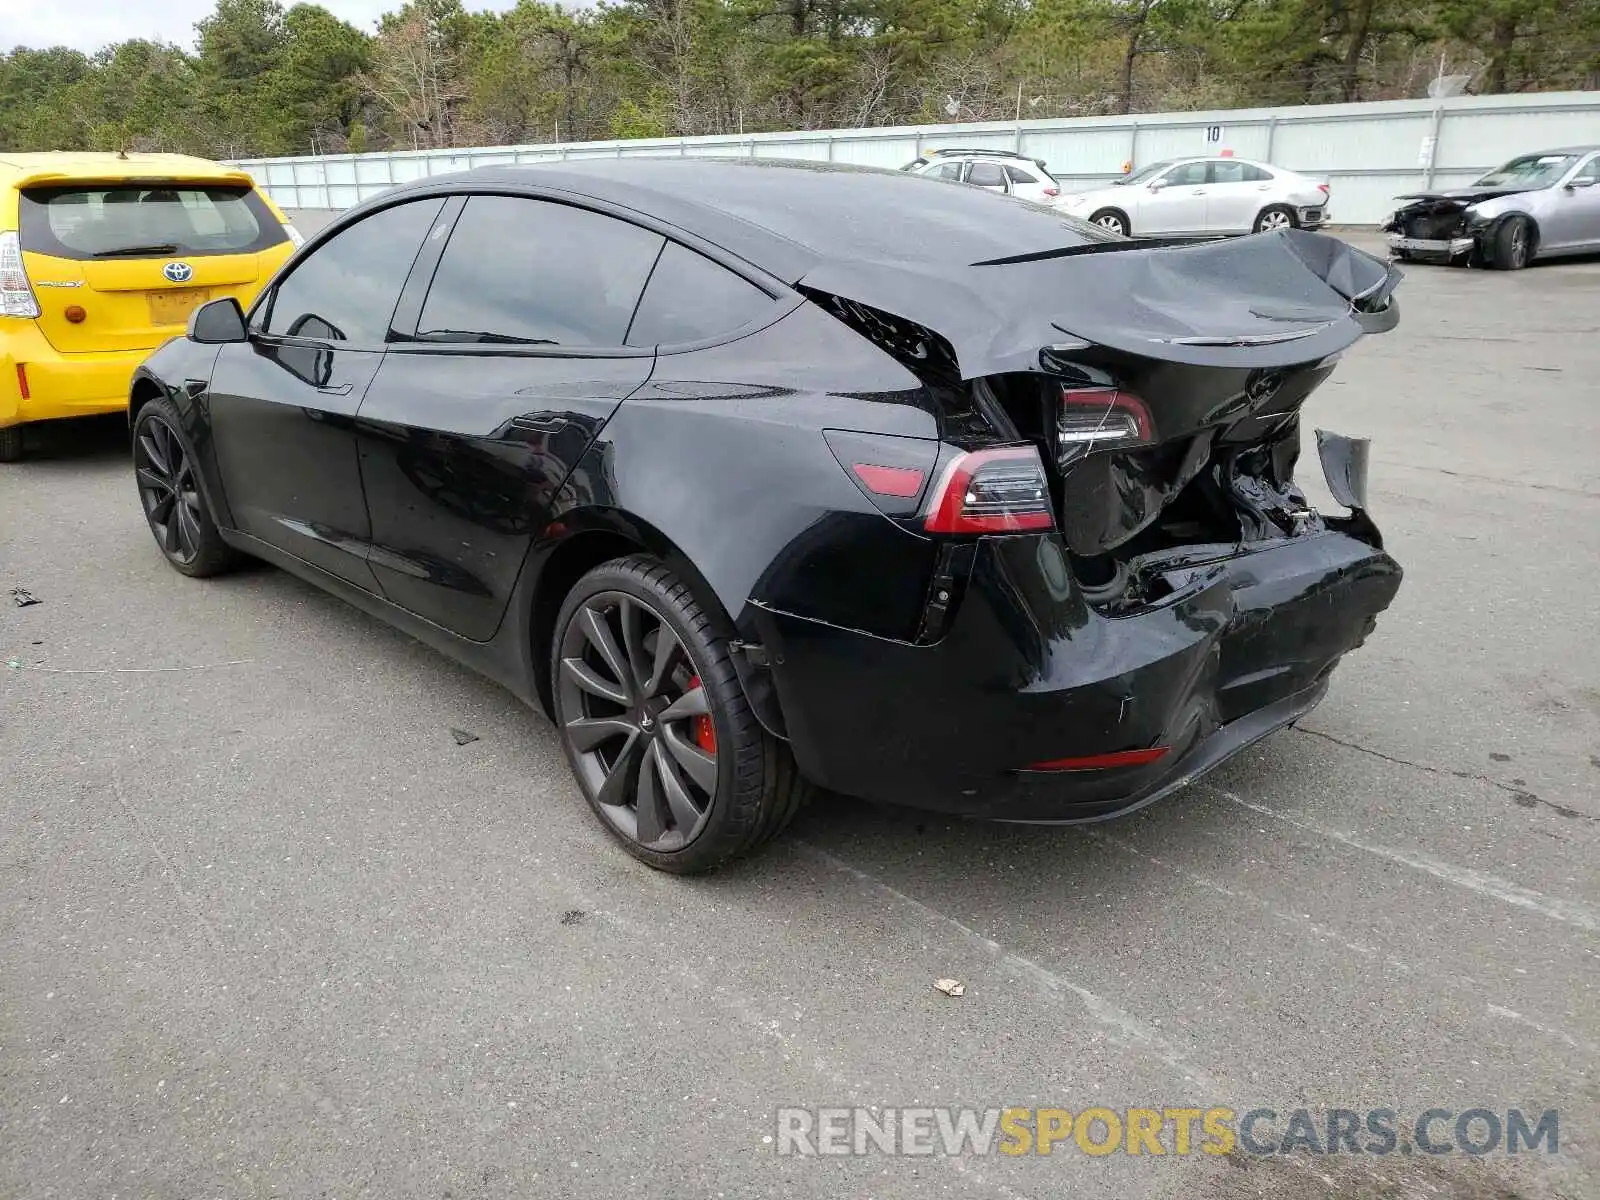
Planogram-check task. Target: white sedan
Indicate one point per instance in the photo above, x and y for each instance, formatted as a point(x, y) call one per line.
point(1181, 197)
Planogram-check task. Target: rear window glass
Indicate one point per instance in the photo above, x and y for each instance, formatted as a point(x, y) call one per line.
point(146, 221)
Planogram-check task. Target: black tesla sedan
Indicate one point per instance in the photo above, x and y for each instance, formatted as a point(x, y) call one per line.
point(760, 476)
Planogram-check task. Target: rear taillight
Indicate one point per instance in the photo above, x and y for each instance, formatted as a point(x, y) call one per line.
point(16, 293)
point(1050, 191)
point(1103, 418)
point(1323, 188)
point(991, 491)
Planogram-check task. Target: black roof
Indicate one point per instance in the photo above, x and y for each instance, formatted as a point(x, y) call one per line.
point(786, 217)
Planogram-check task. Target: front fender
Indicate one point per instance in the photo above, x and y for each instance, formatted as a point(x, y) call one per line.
point(180, 371)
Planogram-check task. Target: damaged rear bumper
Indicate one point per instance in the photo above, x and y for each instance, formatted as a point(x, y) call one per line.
point(1240, 642)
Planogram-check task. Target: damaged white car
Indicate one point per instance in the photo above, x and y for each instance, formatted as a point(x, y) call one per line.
point(1537, 206)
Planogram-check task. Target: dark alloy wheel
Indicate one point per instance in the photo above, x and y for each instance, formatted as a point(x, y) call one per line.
point(637, 718)
point(1512, 247)
point(171, 496)
point(656, 725)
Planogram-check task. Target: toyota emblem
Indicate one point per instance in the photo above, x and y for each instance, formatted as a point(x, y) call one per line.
point(178, 272)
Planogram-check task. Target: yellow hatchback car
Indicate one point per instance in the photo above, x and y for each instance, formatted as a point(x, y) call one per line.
point(102, 258)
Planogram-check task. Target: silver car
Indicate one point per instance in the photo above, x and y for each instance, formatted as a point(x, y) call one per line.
point(1187, 196)
point(1536, 206)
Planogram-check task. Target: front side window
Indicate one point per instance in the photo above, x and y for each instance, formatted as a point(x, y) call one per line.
point(1187, 175)
point(347, 288)
point(690, 298)
point(534, 272)
point(1589, 170)
point(145, 221)
point(949, 170)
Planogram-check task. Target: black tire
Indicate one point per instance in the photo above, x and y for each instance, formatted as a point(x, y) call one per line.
point(625, 741)
point(1512, 248)
point(1275, 216)
point(11, 443)
point(174, 505)
point(1113, 219)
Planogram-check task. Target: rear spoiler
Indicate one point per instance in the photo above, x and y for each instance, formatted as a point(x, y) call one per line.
point(1271, 300)
point(196, 179)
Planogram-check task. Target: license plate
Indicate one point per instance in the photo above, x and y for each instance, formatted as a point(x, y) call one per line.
point(173, 308)
point(1313, 214)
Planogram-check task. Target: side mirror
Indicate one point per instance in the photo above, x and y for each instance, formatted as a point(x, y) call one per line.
point(218, 322)
point(1156, 185)
point(1580, 183)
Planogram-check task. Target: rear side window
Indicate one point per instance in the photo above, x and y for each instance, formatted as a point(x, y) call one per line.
point(987, 175)
point(347, 288)
point(145, 221)
point(534, 272)
point(1018, 175)
point(690, 297)
point(1237, 172)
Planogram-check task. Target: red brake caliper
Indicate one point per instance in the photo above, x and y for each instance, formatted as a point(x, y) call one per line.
point(705, 734)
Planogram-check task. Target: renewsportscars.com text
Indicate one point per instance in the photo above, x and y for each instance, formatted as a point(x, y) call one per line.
point(1100, 1130)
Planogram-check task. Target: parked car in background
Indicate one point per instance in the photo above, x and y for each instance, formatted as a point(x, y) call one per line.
point(751, 489)
point(1189, 196)
point(997, 170)
point(1536, 206)
point(102, 258)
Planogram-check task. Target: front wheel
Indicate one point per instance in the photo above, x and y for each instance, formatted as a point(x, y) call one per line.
point(1275, 216)
point(656, 725)
point(1110, 218)
point(1512, 248)
point(169, 491)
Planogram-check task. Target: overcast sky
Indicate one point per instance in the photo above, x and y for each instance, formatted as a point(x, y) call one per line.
point(88, 25)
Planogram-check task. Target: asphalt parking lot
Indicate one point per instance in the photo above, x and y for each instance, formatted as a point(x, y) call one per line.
point(266, 928)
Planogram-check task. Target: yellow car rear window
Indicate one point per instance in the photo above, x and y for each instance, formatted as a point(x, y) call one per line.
point(141, 220)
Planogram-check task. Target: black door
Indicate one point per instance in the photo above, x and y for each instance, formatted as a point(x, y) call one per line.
point(283, 403)
point(517, 356)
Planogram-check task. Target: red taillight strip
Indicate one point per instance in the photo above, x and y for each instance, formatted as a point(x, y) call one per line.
point(901, 482)
point(1101, 762)
point(22, 381)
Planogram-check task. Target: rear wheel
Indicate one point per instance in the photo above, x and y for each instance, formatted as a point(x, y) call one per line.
point(656, 726)
point(1275, 216)
point(1512, 248)
point(169, 491)
point(1113, 219)
point(11, 443)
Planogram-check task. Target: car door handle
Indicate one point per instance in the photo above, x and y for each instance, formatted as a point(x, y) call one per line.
point(342, 389)
point(1198, 192)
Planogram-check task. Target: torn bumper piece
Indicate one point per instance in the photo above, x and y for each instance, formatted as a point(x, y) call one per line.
point(1028, 674)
